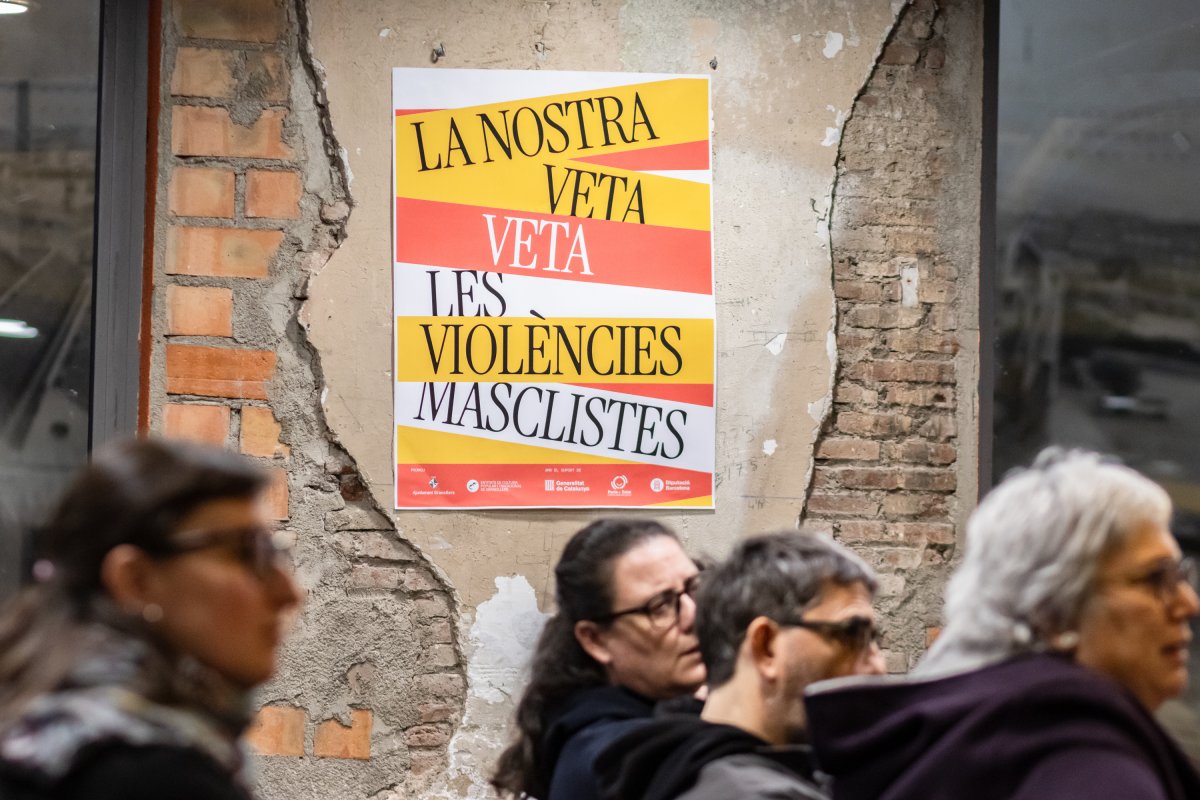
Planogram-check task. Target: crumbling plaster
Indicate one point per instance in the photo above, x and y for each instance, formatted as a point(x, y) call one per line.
point(775, 92)
point(785, 77)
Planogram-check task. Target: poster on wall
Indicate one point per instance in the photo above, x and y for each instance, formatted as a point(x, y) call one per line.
point(553, 290)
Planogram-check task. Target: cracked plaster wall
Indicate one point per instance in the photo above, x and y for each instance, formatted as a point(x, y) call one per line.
point(786, 77)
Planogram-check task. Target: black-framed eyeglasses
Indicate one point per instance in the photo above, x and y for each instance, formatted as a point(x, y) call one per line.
point(1165, 579)
point(663, 609)
point(855, 633)
point(256, 548)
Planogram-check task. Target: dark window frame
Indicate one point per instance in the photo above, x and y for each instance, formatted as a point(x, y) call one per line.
point(987, 242)
point(121, 148)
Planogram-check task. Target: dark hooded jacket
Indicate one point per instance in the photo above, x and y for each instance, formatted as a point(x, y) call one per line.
point(682, 756)
point(578, 729)
point(1035, 726)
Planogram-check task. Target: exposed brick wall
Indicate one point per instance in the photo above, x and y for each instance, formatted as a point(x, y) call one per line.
point(371, 684)
point(887, 475)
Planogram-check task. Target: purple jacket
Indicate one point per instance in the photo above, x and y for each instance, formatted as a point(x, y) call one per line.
point(1035, 727)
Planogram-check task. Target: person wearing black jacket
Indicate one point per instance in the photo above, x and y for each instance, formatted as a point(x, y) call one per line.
point(783, 611)
point(159, 603)
point(621, 640)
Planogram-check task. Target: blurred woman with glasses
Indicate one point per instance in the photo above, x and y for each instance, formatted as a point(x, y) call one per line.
point(159, 603)
point(621, 639)
point(1067, 626)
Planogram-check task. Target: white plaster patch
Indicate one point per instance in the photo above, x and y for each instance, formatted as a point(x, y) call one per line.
point(797, 38)
point(909, 283)
point(818, 408)
point(833, 134)
point(775, 346)
point(384, 33)
point(439, 543)
point(503, 635)
point(770, 446)
point(834, 42)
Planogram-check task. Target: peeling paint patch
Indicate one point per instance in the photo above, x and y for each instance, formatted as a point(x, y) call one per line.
point(833, 134)
point(834, 42)
point(770, 446)
point(505, 630)
point(775, 346)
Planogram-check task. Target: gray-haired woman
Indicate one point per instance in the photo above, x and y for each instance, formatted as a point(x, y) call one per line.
point(1066, 627)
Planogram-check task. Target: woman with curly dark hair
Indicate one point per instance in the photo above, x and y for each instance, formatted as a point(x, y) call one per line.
point(621, 640)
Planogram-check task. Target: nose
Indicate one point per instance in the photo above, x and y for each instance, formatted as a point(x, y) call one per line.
point(872, 661)
point(1187, 603)
point(281, 587)
point(687, 613)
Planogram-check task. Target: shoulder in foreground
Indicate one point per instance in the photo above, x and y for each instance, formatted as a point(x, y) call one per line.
point(151, 773)
point(750, 776)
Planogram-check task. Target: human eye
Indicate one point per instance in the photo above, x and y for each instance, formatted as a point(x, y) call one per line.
point(662, 605)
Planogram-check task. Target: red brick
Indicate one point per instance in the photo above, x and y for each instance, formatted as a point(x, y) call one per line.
point(364, 576)
point(201, 192)
point(862, 477)
point(278, 493)
point(842, 504)
point(278, 731)
point(440, 684)
point(860, 424)
point(235, 20)
point(929, 532)
point(198, 423)
point(937, 396)
point(931, 636)
point(910, 504)
point(437, 712)
point(860, 291)
point(199, 311)
point(907, 371)
point(203, 72)
point(845, 392)
point(862, 531)
point(940, 426)
point(335, 740)
point(260, 432)
point(922, 342)
point(926, 453)
point(219, 371)
point(273, 194)
point(876, 316)
point(204, 131)
point(847, 449)
point(928, 480)
point(427, 736)
point(221, 252)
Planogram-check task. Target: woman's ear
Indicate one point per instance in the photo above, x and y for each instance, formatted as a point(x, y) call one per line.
point(592, 639)
point(125, 576)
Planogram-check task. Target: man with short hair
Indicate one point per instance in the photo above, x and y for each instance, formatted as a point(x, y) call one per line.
point(783, 611)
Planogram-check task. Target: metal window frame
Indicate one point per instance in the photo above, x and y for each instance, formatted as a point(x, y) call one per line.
point(987, 243)
point(121, 146)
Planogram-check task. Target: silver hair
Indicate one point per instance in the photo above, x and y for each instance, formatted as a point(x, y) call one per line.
point(1032, 549)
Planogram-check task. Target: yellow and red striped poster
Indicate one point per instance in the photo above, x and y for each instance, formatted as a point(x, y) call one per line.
point(553, 284)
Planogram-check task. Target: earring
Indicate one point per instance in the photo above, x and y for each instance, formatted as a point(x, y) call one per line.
point(152, 613)
point(1066, 641)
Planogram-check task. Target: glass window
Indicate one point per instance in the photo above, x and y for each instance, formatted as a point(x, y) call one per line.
point(1097, 268)
point(49, 65)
